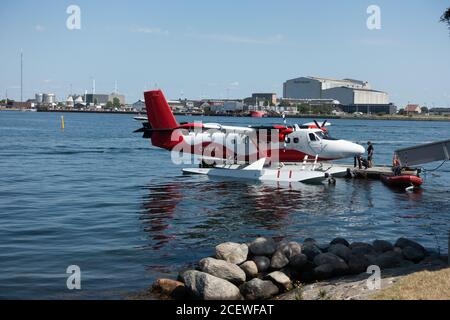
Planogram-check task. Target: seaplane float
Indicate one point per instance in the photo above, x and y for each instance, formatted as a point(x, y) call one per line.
point(284, 153)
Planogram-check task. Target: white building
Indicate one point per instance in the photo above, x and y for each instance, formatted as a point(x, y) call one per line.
point(349, 96)
point(352, 94)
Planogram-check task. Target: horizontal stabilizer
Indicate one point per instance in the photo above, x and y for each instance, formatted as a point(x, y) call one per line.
point(424, 153)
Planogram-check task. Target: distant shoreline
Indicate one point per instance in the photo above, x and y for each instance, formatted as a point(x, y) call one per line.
point(310, 116)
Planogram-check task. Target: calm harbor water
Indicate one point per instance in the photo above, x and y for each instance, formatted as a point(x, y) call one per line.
point(100, 197)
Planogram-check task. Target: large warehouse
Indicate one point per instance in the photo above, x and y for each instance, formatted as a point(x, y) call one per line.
point(349, 92)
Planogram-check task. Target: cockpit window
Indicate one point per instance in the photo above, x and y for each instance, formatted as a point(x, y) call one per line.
point(312, 137)
point(324, 135)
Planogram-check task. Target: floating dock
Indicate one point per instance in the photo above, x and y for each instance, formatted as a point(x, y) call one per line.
point(377, 171)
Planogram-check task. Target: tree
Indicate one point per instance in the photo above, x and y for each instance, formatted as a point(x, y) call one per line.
point(116, 102)
point(446, 17)
point(109, 105)
point(95, 101)
point(424, 110)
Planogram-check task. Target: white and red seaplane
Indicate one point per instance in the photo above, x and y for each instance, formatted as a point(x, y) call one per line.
point(246, 152)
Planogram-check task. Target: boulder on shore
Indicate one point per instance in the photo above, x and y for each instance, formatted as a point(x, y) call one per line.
point(257, 289)
point(279, 260)
point(169, 288)
point(281, 280)
point(224, 270)
point(382, 246)
point(341, 251)
point(207, 287)
point(250, 268)
point(339, 241)
point(262, 247)
point(290, 249)
point(298, 261)
point(338, 264)
point(262, 262)
point(311, 250)
point(232, 252)
point(389, 259)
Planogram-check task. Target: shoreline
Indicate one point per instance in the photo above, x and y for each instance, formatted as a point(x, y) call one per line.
point(299, 116)
point(288, 270)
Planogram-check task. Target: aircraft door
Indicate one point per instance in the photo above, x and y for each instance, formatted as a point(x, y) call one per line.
point(315, 143)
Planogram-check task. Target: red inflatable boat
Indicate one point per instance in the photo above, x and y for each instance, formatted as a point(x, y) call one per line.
point(402, 181)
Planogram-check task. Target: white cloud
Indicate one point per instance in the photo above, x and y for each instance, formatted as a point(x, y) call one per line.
point(39, 28)
point(149, 30)
point(234, 84)
point(270, 40)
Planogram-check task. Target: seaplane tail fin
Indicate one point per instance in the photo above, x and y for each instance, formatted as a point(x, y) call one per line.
point(158, 111)
point(161, 120)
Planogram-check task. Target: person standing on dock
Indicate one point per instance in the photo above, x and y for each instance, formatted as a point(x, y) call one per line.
point(370, 151)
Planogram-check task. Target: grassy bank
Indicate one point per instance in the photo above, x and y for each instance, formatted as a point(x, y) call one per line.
point(424, 285)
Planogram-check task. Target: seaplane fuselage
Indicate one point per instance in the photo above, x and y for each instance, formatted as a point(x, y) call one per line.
point(280, 143)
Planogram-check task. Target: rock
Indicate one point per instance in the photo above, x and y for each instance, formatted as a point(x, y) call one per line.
point(224, 270)
point(290, 249)
point(389, 259)
point(279, 260)
point(207, 287)
point(250, 268)
point(262, 263)
point(298, 261)
point(358, 264)
point(169, 287)
point(361, 248)
point(338, 264)
point(232, 252)
point(310, 241)
point(403, 243)
point(382, 246)
point(324, 271)
point(413, 254)
point(281, 280)
point(262, 247)
point(311, 250)
point(340, 241)
point(340, 250)
point(257, 289)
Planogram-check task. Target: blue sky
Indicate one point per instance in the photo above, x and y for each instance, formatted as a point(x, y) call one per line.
point(222, 49)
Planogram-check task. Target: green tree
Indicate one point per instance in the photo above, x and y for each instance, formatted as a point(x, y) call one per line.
point(116, 102)
point(424, 110)
point(109, 105)
point(95, 101)
point(446, 17)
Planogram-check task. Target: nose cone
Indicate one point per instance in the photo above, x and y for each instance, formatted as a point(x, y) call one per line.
point(351, 149)
point(358, 149)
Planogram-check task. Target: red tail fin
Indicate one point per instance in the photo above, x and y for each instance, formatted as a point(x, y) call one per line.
point(158, 111)
point(161, 117)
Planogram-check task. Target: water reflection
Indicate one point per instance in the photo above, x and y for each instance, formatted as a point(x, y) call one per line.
point(195, 209)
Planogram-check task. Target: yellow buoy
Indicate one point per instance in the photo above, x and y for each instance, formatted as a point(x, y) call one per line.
point(62, 122)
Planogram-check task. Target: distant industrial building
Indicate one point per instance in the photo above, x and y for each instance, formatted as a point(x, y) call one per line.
point(228, 106)
point(47, 99)
point(440, 111)
point(352, 94)
point(262, 98)
point(102, 99)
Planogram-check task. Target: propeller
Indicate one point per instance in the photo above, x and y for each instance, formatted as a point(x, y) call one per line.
point(317, 125)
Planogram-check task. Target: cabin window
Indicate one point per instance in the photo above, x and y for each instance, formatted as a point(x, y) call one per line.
point(312, 137)
point(296, 140)
point(288, 140)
